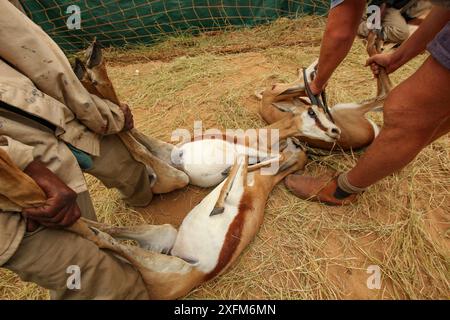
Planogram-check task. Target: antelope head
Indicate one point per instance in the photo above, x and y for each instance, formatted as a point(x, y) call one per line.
point(308, 121)
point(288, 101)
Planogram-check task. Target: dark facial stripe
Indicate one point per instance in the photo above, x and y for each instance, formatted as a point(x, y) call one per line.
point(320, 125)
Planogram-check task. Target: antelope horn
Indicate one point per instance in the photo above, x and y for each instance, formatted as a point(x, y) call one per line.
point(219, 208)
point(315, 100)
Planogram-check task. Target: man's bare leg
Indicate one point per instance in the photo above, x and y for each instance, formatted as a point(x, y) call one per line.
point(415, 114)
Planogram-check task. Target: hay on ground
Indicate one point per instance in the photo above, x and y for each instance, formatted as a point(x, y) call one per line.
point(304, 250)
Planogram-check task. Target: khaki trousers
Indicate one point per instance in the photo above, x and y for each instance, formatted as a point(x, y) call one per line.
point(44, 256)
point(116, 168)
point(394, 25)
point(48, 257)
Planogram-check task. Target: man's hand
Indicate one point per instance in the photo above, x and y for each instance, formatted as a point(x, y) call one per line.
point(60, 209)
point(129, 121)
point(317, 89)
point(386, 60)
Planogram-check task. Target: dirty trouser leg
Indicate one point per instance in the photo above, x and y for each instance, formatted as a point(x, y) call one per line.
point(44, 257)
point(395, 27)
point(116, 168)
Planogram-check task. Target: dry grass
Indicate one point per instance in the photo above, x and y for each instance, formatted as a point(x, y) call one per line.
point(304, 250)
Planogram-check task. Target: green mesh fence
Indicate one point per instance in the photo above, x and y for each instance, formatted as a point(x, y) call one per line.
point(119, 23)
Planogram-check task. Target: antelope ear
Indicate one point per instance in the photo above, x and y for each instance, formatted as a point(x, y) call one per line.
point(79, 69)
point(297, 143)
point(94, 55)
point(259, 94)
point(297, 89)
point(284, 106)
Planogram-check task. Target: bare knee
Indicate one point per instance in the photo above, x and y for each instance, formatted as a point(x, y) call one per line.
point(394, 110)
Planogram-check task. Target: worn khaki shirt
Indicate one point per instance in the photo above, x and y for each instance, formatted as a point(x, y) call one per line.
point(36, 78)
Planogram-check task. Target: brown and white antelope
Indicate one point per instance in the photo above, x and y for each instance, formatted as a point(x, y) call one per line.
point(283, 100)
point(210, 238)
point(205, 160)
point(153, 153)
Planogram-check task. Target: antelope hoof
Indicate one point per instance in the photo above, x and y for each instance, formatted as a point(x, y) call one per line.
point(159, 239)
point(216, 211)
point(226, 172)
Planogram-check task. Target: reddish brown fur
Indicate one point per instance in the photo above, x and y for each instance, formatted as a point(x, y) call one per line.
point(233, 236)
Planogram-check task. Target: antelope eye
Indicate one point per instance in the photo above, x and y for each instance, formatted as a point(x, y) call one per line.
point(312, 114)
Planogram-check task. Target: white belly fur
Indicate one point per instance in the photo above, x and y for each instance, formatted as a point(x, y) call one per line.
point(201, 237)
point(204, 161)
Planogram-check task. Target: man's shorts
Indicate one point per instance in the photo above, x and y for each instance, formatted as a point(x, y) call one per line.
point(440, 47)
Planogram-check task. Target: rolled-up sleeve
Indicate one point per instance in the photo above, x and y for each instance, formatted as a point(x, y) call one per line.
point(111, 113)
point(20, 154)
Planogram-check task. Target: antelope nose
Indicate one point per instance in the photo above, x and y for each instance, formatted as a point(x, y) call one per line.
point(334, 132)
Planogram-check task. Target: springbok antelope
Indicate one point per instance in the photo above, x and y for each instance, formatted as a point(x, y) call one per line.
point(206, 160)
point(281, 100)
point(208, 241)
point(197, 158)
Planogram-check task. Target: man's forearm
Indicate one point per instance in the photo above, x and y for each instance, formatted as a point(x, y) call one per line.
point(333, 51)
point(341, 29)
point(418, 42)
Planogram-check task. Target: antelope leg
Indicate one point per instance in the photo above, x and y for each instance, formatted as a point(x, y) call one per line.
point(168, 178)
point(160, 149)
point(384, 84)
point(156, 238)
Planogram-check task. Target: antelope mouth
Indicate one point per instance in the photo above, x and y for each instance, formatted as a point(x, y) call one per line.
point(334, 134)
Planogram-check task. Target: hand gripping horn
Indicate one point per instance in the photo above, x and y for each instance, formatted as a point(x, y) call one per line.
point(320, 101)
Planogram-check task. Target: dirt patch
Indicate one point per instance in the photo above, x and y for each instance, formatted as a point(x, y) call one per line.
point(172, 208)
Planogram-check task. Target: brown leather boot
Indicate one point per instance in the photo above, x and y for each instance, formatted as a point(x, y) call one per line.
point(321, 189)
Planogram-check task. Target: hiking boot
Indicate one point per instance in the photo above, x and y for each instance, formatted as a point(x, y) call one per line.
point(322, 189)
